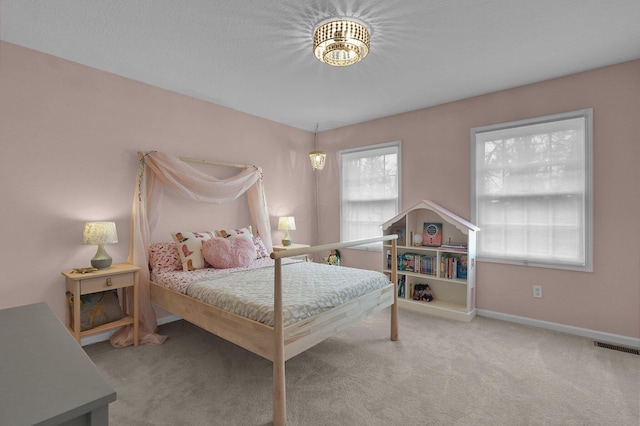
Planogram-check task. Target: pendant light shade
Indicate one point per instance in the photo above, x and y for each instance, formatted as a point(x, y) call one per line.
point(317, 157)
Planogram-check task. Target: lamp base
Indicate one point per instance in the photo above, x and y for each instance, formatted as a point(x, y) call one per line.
point(101, 260)
point(101, 263)
point(286, 242)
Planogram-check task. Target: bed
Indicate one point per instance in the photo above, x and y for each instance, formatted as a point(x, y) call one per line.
point(281, 331)
point(277, 339)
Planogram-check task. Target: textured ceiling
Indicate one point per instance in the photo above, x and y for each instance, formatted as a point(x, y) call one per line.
point(255, 56)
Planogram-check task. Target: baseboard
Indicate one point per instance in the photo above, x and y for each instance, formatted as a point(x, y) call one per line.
point(102, 337)
point(584, 332)
point(168, 319)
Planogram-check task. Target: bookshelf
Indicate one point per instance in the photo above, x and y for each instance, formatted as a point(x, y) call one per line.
point(437, 248)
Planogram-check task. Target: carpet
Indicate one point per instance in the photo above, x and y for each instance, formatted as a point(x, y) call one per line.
point(440, 372)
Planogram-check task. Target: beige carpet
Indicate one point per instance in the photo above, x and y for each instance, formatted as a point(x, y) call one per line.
point(440, 372)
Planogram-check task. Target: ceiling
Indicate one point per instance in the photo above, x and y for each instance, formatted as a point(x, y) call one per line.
point(256, 56)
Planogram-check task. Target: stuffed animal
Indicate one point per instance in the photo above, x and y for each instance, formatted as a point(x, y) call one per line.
point(334, 258)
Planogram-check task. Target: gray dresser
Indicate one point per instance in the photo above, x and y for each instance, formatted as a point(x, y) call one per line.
point(46, 378)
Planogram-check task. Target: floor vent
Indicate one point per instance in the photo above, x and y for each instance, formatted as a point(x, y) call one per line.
point(617, 348)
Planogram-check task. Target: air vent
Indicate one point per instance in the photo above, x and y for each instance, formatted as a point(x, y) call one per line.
point(617, 348)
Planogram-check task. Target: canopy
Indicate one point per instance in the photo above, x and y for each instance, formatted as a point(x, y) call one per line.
point(158, 169)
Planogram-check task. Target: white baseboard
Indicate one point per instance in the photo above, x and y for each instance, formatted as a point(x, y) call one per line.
point(168, 319)
point(102, 337)
point(600, 336)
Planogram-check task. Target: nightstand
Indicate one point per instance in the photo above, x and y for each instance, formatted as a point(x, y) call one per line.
point(280, 247)
point(119, 276)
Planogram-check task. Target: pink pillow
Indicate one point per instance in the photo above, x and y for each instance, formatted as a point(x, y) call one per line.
point(261, 249)
point(164, 257)
point(232, 252)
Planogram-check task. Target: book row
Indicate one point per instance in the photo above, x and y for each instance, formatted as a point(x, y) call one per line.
point(452, 266)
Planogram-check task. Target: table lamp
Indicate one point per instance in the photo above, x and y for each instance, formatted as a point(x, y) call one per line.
point(99, 233)
point(286, 224)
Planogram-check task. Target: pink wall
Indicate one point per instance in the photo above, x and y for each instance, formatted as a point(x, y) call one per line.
point(69, 136)
point(436, 166)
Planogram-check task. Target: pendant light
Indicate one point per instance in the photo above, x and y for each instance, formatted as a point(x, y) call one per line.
point(317, 157)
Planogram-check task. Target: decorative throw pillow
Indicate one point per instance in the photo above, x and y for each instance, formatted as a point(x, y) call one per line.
point(164, 257)
point(190, 248)
point(232, 252)
point(261, 249)
point(246, 232)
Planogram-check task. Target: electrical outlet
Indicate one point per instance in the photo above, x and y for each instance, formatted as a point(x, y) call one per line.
point(537, 291)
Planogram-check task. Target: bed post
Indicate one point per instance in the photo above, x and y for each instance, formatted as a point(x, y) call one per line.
point(394, 279)
point(279, 391)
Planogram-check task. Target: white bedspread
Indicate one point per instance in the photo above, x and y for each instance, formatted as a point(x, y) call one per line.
point(308, 289)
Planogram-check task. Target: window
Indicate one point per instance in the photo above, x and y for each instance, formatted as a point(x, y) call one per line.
point(369, 190)
point(531, 191)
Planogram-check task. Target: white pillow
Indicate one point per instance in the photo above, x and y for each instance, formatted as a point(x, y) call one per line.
point(189, 246)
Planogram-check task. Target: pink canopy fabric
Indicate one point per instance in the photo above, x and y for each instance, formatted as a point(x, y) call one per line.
point(158, 169)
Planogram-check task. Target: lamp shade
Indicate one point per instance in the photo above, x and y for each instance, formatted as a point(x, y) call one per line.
point(287, 223)
point(99, 233)
point(317, 159)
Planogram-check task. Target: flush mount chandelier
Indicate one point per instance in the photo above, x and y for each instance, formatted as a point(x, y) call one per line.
point(341, 42)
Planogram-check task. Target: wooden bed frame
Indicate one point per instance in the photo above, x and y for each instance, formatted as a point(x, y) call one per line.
point(279, 343)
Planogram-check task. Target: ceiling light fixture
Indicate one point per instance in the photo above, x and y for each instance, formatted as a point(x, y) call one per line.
point(341, 42)
point(317, 157)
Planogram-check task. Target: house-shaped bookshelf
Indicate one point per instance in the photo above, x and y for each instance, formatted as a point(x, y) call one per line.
point(436, 260)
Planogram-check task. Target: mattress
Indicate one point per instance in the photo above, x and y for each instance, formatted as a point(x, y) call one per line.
point(308, 289)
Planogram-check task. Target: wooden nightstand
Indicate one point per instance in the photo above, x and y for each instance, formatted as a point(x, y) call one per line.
point(280, 247)
point(118, 276)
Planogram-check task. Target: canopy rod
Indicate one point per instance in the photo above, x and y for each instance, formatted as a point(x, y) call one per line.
point(214, 163)
point(200, 161)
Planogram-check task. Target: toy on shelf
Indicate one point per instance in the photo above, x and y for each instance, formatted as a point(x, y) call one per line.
point(334, 258)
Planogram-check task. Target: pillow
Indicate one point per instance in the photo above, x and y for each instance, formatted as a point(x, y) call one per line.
point(246, 232)
point(261, 249)
point(164, 257)
point(232, 252)
point(190, 248)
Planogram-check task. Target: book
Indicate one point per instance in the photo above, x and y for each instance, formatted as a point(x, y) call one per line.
point(462, 268)
point(432, 234)
point(401, 286)
point(408, 261)
point(403, 263)
point(449, 266)
point(454, 247)
point(427, 265)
